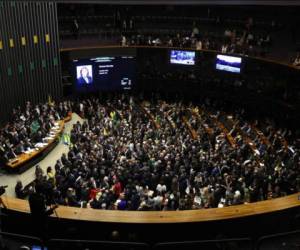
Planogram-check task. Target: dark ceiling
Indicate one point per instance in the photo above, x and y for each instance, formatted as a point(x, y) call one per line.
point(183, 2)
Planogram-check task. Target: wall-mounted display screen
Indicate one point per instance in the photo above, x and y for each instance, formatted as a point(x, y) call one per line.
point(229, 63)
point(104, 73)
point(182, 57)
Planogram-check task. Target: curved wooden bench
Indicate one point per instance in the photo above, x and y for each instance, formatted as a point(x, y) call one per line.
point(24, 158)
point(202, 215)
point(192, 132)
point(150, 116)
point(221, 126)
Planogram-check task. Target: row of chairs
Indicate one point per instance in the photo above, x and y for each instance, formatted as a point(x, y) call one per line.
point(153, 18)
point(281, 241)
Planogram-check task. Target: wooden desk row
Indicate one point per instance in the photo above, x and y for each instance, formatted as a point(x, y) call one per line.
point(229, 137)
point(195, 113)
point(192, 132)
point(202, 215)
point(24, 157)
point(155, 124)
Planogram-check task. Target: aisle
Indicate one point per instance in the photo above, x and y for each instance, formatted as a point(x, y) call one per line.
point(49, 160)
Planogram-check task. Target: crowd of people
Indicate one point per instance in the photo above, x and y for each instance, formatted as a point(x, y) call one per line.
point(29, 127)
point(240, 35)
point(245, 41)
point(128, 154)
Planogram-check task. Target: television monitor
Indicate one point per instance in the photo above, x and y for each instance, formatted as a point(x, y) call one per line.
point(182, 57)
point(229, 63)
point(38, 248)
point(104, 73)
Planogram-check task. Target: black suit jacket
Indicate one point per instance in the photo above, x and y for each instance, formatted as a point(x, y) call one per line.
point(38, 206)
point(81, 80)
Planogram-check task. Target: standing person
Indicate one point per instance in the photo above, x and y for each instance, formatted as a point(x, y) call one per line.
point(75, 29)
point(2, 205)
point(39, 211)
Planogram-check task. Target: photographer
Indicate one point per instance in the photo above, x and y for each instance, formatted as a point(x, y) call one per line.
point(39, 211)
point(2, 205)
point(2, 191)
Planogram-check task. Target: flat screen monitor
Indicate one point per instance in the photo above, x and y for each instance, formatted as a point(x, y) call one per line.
point(182, 57)
point(38, 248)
point(104, 73)
point(229, 63)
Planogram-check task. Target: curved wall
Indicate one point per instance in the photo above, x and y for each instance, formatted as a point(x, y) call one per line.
point(264, 87)
point(253, 219)
point(29, 54)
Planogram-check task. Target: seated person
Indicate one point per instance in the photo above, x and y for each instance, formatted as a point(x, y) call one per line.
point(20, 148)
point(38, 137)
point(297, 61)
point(21, 193)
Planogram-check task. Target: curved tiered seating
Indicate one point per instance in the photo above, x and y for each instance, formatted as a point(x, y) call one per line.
point(146, 142)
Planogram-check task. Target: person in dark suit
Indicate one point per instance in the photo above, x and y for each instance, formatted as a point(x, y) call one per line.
point(39, 211)
point(20, 148)
point(84, 77)
point(21, 193)
point(38, 137)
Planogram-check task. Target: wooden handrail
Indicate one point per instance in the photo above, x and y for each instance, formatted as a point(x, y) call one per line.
point(201, 215)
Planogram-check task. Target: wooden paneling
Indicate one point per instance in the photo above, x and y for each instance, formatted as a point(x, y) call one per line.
point(27, 68)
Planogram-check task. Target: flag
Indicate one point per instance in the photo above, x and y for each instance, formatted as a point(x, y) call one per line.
point(34, 126)
point(47, 36)
point(35, 39)
point(11, 43)
point(66, 139)
point(105, 132)
point(113, 115)
point(23, 40)
point(50, 102)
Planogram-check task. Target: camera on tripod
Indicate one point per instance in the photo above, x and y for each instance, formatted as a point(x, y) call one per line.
point(2, 189)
